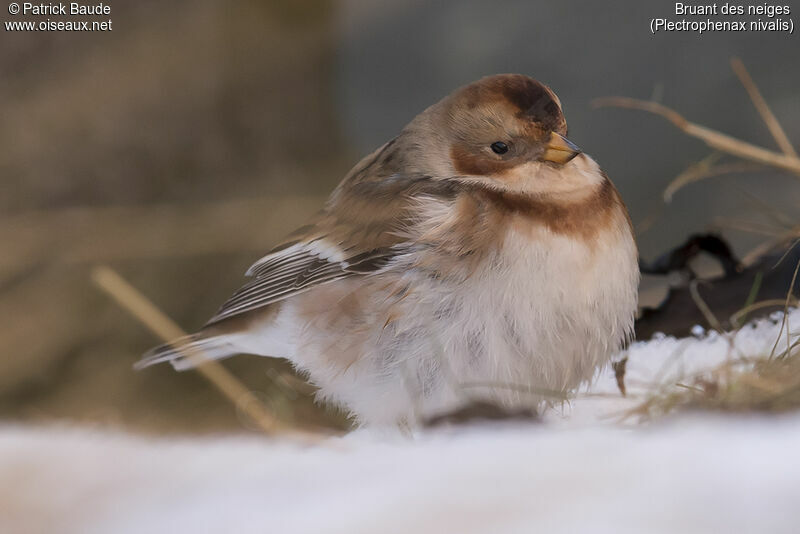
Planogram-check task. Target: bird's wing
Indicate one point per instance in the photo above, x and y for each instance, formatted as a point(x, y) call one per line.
point(360, 232)
point(286, 273)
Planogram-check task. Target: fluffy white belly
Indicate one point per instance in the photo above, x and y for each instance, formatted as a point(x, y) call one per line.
point(531, 323)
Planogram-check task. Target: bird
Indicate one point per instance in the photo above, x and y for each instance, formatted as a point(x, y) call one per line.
point(478, 256)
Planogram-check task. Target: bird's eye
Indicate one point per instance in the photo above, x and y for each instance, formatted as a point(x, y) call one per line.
point(499, 147)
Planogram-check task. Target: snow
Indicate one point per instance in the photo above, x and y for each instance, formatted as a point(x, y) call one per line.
point(585, 469)
point(661, 362)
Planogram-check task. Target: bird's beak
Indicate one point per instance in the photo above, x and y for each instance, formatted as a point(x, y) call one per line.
point(559, 149)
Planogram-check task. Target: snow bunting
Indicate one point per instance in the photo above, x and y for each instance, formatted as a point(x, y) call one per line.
point(478, 255)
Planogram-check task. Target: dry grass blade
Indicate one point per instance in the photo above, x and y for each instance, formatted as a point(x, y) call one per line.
point(785, 319)
point(165, 328)
point(713, 138)
point(552, 394)
point(736, 318)
point(757, 252)
point(751, 227)
point(769, 383)
point(709, 316)
point(772, 123)
point(695, 173)
point(655, 213)
point(769, 210)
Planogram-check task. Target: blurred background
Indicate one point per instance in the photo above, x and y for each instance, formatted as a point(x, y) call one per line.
point(180, 146)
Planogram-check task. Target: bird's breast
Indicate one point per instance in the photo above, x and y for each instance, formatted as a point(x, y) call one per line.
point(548, 273)
point(548, 309)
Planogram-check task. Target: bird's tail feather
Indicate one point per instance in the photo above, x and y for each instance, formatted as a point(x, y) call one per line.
point(184, 353)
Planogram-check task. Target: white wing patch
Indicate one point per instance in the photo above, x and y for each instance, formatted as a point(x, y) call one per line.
point(296, 269)
point(318, 247)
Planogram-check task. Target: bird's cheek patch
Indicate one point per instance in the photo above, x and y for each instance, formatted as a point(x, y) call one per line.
point(467, 162)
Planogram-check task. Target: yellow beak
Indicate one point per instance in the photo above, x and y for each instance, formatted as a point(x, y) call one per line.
point(559, 149)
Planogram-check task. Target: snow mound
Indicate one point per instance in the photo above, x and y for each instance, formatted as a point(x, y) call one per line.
point(664, 361)
point(698, 475)
point(579, 471)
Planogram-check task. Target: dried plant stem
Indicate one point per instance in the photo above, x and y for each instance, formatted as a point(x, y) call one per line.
point(752, 227)
point(756, 253)
point(703, 307)
point(762, 107)
point(713, 138)
point(737, 317)
point(778, 216)
point(695, 173)
point(129, 298)
point(784, 321)
point(787, 161)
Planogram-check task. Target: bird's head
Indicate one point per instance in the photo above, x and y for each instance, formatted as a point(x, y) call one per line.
point(507, 132)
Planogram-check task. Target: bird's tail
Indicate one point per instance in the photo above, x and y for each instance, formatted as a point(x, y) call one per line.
point(186, 352)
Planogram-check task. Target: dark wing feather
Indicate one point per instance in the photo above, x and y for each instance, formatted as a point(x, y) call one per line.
point(295, 270)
